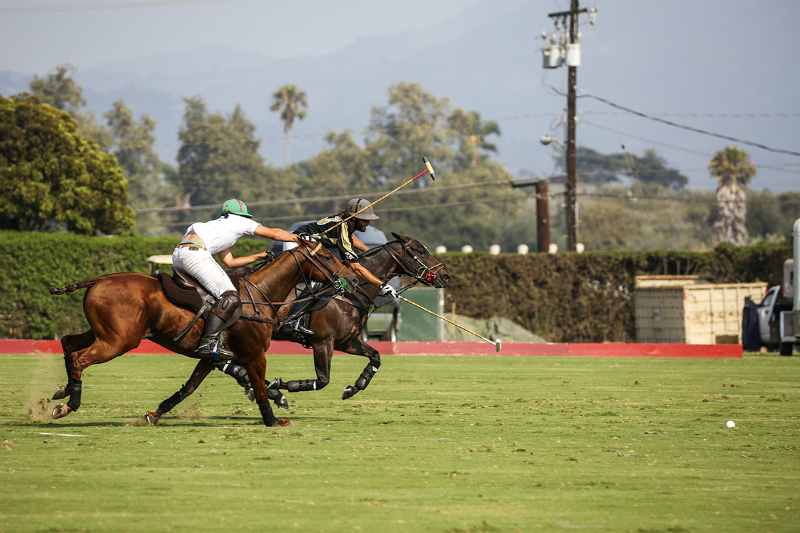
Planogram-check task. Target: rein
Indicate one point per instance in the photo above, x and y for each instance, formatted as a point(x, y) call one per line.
point(330, 275)
point(416, 269)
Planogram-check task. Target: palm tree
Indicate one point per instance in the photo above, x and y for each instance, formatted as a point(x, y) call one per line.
point(290, 102)
point(479, 130)
point(733, 170)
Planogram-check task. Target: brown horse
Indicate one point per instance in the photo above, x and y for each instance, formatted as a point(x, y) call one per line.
point(122, 309)
point(337, 325)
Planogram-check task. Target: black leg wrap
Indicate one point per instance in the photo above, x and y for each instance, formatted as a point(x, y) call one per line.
point(235, 371)
point(302, 385)
point(74, 386)
point(366, 376)
point(267, 415)
point(167, 405)
point(277, 396)
point(362, 381)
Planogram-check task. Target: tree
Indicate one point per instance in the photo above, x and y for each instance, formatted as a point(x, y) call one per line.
point(218, 158)
point(51, 176)
point(59, 90)
point(733, 170)
point(413, 124)
point(133, 147)
point(598, 169)
point(475, 132)
point(290, 102)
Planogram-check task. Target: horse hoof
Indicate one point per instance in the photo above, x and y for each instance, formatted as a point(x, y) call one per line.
point(284, 422)
point(282, 402)
point(274, 384)
point(61, 410)
point(61, 393)
point(349, 392)
point(152, 418)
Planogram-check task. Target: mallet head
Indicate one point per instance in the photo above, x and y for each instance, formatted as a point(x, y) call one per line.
point(429, 167)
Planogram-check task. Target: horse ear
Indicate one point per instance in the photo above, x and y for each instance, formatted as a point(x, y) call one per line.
point(399, 237)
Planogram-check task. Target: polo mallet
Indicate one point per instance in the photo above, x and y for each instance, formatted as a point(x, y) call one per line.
point(496, 342)
point(428, 169)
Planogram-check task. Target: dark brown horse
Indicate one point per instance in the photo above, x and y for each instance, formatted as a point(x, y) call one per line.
point(337, 325)
point(122, 309)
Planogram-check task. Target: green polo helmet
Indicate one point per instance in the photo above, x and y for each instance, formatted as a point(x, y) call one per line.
point(235, 207)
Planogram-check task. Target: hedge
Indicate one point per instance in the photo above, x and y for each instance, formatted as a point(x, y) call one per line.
point(563, 297)
point(31, 263)
point(589, 297)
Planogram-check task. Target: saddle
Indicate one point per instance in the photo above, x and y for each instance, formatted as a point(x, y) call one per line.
point(183, 290)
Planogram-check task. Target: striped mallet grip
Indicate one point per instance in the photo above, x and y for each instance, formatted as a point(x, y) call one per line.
point(428, 166)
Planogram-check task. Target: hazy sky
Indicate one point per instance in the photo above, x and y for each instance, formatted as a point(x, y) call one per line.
point(724, 66)
point(91, 33)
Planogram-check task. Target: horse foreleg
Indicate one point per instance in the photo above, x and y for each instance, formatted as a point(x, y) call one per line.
point(203, 368)
point(359, 347)
point(256, 367)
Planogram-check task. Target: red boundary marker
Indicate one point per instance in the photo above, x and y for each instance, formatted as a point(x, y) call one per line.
point(714, 351)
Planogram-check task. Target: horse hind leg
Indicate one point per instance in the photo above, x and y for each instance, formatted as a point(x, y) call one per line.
point(70, 344)
point(77, 360)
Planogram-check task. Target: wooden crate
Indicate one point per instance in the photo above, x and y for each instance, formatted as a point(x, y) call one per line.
point(685, 309)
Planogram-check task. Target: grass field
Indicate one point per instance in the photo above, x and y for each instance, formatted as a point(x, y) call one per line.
point(436, 444)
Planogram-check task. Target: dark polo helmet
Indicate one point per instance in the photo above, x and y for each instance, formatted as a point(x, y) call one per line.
point(357, 204)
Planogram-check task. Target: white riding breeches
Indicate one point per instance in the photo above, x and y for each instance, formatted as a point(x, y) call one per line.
point(201, 265)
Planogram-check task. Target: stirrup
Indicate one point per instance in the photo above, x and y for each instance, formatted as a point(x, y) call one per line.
point(210, 346)
point(296, 325)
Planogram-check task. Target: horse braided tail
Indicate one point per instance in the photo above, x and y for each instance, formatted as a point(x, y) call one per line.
point(85, 284)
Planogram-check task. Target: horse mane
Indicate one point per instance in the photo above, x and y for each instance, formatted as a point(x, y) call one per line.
point(377, 249)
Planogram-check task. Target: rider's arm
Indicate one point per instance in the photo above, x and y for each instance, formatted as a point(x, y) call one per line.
point(233, 262)
point(276, 234)
point(364, 273)
point(358, 244)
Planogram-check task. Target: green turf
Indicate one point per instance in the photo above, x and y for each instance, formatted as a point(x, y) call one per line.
point(439, 444)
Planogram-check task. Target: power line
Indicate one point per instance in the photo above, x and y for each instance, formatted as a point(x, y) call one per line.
point(689, 128)
point(318, 199)
point(317, 216)
point(703, 115)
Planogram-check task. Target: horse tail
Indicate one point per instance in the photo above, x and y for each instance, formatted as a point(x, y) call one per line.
point(85, 284)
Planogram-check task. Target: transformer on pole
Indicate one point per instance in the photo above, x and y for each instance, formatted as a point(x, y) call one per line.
point(565, 49)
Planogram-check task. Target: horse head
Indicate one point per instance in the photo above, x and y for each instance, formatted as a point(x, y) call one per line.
point(417, 262)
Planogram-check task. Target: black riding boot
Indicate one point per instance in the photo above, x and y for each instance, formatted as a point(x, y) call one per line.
point(209, 343)
point(296, 324)
point(224, 310)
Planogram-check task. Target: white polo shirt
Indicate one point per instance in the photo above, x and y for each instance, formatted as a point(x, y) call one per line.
point(223, 232)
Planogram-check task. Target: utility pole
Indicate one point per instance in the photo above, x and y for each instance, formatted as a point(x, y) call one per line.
point(572, 182)
point(568, 51)
point(542, 218)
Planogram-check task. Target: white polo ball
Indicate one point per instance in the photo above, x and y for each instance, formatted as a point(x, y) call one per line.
point(730, 424)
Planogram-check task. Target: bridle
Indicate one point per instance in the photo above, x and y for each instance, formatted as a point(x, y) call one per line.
point(412, 265)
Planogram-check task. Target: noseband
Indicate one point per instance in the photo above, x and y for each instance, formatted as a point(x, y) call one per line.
point(413, 265)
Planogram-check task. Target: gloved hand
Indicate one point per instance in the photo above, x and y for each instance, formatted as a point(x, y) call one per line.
point(310, 237)
point(388, 290)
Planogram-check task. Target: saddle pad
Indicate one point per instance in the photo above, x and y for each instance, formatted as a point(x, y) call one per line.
point(178, 295)
point(188, 297)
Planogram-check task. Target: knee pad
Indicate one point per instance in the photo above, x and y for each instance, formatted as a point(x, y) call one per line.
point(227, 305)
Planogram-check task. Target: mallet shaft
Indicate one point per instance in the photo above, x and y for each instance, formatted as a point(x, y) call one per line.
point(497, 344)
point(428, 169)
